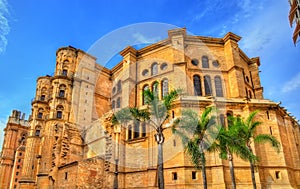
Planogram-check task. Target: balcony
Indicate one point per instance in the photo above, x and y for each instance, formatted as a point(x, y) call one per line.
point(41, 99)
point(63, 74)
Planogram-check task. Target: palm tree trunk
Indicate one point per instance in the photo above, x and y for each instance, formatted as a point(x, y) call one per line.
point(203, 171)
point(253, 175)
point(252, 169)
point(160, 167)
point(159, 137)
point(231, 167)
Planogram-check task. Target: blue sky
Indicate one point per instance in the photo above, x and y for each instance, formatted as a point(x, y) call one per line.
point(31, 31)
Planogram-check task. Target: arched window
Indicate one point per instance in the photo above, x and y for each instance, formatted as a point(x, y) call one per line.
point(155, 88)
point(164, 88)
point(59, 110)
point(207, 85)
point(129, 132)
point(118, 102)
point(43, 93)
point(205, 62)
point(64, 72)
point(154, 69)
point(146, 87)
point(164, 66)
point(229, 115)
point(23, 138)
point(136, 130)
point(43, 97)
point(37, 130)
point(62, 89)
point(197, 85)
point(218, 86)
point(119, 86)
point(40, 113)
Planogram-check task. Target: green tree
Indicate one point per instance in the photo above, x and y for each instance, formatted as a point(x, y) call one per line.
point(228, 143)
point(247, 132)
point(197, 134)
point(156, 115)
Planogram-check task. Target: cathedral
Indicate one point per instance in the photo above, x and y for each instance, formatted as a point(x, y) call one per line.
point(69, 140)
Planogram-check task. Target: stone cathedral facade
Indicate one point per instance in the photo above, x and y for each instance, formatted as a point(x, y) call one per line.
point(69, 142)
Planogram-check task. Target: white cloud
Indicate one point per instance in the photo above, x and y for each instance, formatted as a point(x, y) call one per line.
point(4, 26)
point(292, 84)
point(264, 30)
point(142, 39)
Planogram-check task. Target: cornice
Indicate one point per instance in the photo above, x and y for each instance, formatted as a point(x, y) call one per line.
point(231, 36)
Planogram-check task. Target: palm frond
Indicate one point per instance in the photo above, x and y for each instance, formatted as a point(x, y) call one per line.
point(169, 98)
point(266, 138)
point(122, 116)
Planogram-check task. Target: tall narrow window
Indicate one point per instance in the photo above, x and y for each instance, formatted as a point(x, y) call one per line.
point(205, 62)
point(59, 114)
point(271, 131)
point(129, 132)
point(250, 94)
point(174, 176)
point(136, 131)
point(194, 175)
point(146, 87)
point(218, 86)
point(154, 69)
point(62, 89)
point(118, 102)
point(197, 85)
point(59, 111)
point(119, 86)
point(37, 130)
point(222, 120)
point(61, 93)
point(144, 129)
point(229, 118)
point(155, 88)
point(40, 113)
point(277, 174)
point(65, 72)
point(113, 104)
point(66, 175)
point(207, 85)
point(165, 88)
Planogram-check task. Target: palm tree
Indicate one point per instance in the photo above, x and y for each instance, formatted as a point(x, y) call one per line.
point(156, 114)
point(197, 134)
point(159, 114)
point(228, 142)
point(247, 132)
